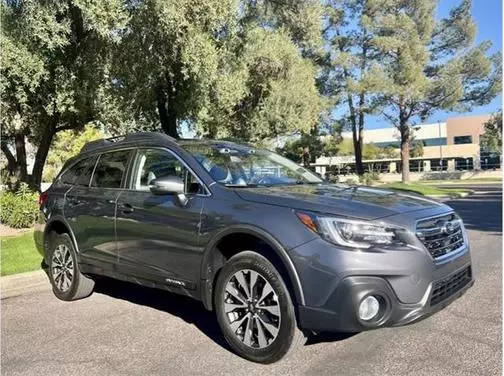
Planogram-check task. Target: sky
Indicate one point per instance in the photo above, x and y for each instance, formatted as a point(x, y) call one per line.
point(487, 15)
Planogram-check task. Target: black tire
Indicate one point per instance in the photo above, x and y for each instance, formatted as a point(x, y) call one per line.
point(80, 285)
point(288, 338)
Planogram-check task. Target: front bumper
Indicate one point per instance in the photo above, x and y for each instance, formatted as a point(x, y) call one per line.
point(352, 290)
point(411, 285)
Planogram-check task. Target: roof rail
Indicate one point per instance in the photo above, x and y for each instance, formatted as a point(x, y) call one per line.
point(137, 136)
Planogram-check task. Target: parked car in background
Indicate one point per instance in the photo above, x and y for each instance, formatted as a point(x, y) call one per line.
point(273, 249)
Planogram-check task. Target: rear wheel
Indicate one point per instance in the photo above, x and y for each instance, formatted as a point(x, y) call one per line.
point(67, 281)
point(254, 309)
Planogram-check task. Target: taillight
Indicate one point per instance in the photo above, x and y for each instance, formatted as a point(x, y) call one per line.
point(43, 198)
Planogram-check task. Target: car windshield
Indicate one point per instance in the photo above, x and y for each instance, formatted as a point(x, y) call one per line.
point(245, 166)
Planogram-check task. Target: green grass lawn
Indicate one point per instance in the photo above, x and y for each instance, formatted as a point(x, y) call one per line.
point(19, 254)
point(426, 190)
point(460, 181)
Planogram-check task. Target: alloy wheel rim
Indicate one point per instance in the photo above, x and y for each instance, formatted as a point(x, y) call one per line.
point(62, 267)
point(252, 309)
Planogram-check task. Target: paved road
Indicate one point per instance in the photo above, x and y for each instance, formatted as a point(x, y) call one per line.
point(126, 330)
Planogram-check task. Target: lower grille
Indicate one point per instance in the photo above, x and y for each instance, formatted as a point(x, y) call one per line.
point(447, 287)
point(441, 235)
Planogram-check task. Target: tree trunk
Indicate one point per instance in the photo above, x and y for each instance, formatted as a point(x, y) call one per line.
point(405, 136)
point(357, 142)
point(360, 132)
point(11, 160)
point(362, 99)
point(19, 142)
point(40, 159)
point(357, 135)
point(167, 115)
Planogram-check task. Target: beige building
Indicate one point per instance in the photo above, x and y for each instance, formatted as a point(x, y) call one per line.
point(447, 146)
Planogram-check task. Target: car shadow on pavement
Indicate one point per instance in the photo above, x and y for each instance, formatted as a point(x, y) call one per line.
point(327, 337)
point(188, 309)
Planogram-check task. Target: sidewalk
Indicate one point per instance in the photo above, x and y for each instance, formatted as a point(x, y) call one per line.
point(22, 283)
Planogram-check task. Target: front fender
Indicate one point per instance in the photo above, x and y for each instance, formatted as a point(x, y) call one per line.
point(208, 274)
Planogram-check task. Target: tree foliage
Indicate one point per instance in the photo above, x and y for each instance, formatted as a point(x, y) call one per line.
point(222, 68)
point(232, 68)
point(55, 59)
point(415, 148)
point(491, 140)
point(65, 145)
point(350, 58)
point(427, 65)
point(305, 150)
point(370, 151)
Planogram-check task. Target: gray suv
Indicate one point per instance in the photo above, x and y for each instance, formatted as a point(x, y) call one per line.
point(272, 248)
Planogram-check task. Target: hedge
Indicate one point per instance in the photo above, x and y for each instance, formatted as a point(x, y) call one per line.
point(19, 209)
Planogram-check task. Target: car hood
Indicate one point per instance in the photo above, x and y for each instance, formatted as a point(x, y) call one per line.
point(349, 201)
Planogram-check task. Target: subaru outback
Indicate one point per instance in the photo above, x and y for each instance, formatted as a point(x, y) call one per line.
point(272, 248)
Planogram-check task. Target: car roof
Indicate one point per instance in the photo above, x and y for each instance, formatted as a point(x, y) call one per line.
point(141, 139)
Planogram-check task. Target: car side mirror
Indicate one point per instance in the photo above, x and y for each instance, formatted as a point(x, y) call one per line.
point(169, 185)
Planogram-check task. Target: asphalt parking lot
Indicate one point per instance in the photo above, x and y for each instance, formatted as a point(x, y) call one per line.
point(123, 329)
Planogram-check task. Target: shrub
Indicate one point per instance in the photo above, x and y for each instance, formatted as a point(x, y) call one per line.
point(351, 181)
point(19, 209)
point(369, 178)
point(333, 178)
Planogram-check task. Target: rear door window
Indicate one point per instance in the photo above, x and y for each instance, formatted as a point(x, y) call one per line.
point(79, 173)
point(110, 169)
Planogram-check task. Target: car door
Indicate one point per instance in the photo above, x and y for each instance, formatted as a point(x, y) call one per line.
point(157, 236)
point(91, 210)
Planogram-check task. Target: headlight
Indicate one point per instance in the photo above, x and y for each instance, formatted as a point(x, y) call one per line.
point(351, 233)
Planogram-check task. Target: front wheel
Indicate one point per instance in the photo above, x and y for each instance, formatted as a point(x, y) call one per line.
point(254, 309)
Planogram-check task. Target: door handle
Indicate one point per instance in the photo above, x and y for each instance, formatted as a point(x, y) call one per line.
point(127, 208)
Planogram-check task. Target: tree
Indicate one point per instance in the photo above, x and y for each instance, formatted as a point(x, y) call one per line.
point(223, 68)
point(65, 145)
point(267, 89)
point(427, 65)
point(350, 58)
point(167, 61)
point(415, 148)
point(491, 140)
point(305, 150)
point(371, 151)
point(345, 148)
point(389, 152)
point(332, 145)
point(55, 58)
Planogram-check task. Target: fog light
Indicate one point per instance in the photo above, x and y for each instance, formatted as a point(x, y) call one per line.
point(368, 308)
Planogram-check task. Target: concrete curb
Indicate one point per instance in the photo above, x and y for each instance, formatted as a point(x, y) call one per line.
point(22, 283)
point(462, 182)
point(453, 195)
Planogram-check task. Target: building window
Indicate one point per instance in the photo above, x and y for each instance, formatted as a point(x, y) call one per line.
point(394, 144)
point(464, 163)
point(434, 141)
point(457, 140)
point(426, 142)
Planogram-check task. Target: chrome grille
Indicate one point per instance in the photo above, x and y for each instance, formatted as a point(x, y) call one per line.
point(441, 235)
